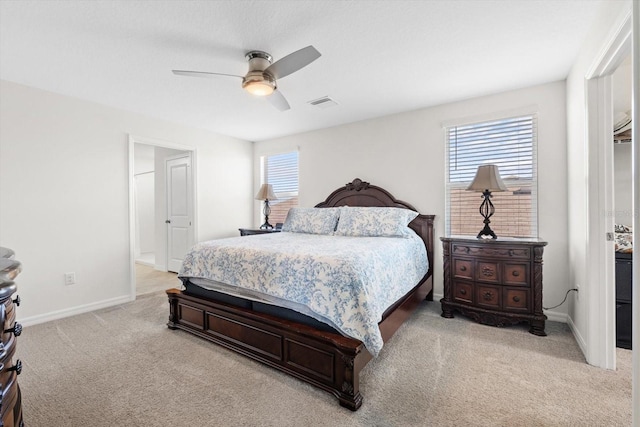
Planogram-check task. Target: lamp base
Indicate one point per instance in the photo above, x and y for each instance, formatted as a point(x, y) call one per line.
point(487, 233)
point(266, 211)
point(486, 210)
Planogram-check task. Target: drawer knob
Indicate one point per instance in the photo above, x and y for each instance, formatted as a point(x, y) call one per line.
point(17, 300)
point(463, 268)
point(515, 273)
point(516, 299)
point(16, 330)
point(488, 296)
point(17, 367)
point(487, 271)
point(463, 291)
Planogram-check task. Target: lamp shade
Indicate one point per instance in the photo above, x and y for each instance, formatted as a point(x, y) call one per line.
point(487, 178)
point(266, 193)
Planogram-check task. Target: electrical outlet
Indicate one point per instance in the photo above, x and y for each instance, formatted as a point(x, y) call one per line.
point(577, 292)
point(70, 278)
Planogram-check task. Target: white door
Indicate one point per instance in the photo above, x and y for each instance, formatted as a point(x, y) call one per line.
point(179, 210)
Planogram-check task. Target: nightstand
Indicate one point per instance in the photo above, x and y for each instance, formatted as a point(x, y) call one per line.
point(252, 231)
point(494, 282)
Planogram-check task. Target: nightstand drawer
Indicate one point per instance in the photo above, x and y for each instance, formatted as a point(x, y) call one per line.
point(7, 320)
point(488, 296)
point(516, 299)
point(480, 251)
point(516, 274)
point(463, 292)
point(462, 268)
point(7, 362)
point(487, 271)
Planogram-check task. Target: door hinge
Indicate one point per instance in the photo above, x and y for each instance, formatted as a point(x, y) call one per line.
point(609, 237)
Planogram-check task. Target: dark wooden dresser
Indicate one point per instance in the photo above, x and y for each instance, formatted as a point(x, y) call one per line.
point(624, 296)
point(10, 367)
point(495, 282)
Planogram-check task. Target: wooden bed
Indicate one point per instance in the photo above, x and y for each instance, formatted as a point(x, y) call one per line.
point(324, 359)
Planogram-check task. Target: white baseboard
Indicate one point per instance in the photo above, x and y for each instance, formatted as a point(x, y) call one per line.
point(554, 316)
point(576, 334)
point(60, 314)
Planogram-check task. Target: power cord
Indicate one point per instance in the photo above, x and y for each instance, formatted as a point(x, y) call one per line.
point(565, 298)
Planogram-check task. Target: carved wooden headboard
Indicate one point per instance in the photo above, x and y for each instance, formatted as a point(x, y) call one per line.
point(361, 193)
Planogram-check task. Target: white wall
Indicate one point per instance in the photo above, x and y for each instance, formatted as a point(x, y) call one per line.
point(623, 198)
point(64, 190)
point(144, 199)
point(621, 87)
point(145, 213)
point(623, 178)
point(404, 154)
point(607, 21)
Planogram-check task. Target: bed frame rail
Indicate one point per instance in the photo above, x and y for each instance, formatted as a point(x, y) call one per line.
point(329, 361)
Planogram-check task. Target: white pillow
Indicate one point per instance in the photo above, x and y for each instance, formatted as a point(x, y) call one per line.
point(311, 220)
point(375, 221)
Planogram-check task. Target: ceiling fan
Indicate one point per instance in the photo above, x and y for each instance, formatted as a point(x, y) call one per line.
point(261, 78)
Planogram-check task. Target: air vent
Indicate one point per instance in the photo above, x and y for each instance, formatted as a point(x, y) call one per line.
point(324, 102)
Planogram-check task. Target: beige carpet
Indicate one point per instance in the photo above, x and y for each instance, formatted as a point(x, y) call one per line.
point(150, 280)
point(123, 366)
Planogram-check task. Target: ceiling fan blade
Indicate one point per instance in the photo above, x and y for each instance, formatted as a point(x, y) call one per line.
point(200, 74)
point(278, 100)
point(293, 62)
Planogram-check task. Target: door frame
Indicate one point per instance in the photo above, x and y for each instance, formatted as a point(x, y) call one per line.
point(192, 237)
point(635, 67)
point(134, 139)
point(601, 329)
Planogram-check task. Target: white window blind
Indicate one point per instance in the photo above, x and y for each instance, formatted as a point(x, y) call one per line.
point(281, 171)
point(509, 143)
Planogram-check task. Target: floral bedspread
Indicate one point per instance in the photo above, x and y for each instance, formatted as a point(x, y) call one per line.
point(347, 282)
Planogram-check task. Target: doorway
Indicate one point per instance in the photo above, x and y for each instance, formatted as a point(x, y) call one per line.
point(600, 292)
point(622, 80)
point(150, 198)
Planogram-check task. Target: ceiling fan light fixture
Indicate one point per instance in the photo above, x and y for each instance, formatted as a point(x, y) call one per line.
point(259, 83)
point(260, 88)
point(261, 78)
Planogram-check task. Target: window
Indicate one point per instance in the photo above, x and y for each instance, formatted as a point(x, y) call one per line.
point(509, 143)
point(281, 171)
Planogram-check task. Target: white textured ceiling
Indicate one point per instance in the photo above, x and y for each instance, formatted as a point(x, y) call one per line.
point(378, 57)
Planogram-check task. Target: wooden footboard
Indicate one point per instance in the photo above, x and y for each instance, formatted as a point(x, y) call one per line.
point(326, 360)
